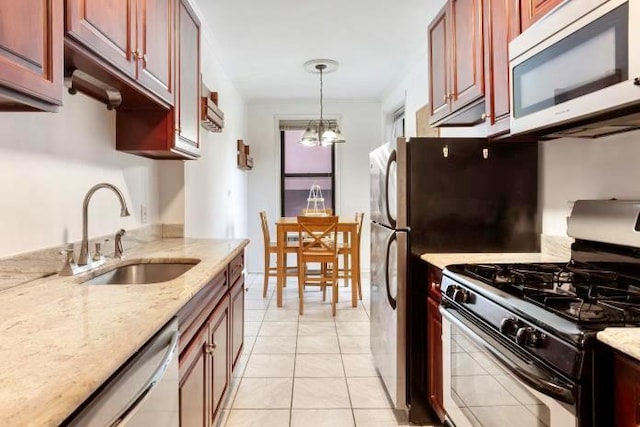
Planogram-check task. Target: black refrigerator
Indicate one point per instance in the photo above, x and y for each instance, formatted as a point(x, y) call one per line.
point(433, 195)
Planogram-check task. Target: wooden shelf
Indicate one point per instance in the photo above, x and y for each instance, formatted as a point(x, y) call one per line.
point(211, 117)
point(245, 161)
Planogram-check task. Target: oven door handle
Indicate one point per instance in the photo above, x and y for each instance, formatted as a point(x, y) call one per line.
point(544, 384)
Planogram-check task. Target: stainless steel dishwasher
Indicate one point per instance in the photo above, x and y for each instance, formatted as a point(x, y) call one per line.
point(144, 392)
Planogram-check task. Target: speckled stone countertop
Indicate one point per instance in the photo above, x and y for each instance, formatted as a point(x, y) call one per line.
point(554, 249)
point(626, 340)
point(442, 260)
point(60, 339)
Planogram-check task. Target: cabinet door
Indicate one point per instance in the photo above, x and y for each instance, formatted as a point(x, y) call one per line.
point(434, 362)
point(439, 65)
point(501, 25)
point(237, 320)
point(31, 48)
point(532, 10)
point(219, 352)
point(155, 46)
point(188, 75)
point(467, 71)
point(194, 381)
point(106, 27)
point(627, 392)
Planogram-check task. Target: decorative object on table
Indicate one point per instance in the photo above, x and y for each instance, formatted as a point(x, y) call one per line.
point(315, 202)
point(245, 161)
point(211, 117)
point(321, 132)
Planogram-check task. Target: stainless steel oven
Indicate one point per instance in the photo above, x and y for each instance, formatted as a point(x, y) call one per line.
point(489, 383)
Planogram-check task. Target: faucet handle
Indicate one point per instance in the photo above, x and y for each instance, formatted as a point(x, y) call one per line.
point(119, 249)
point(69, 262)
point(98, 256)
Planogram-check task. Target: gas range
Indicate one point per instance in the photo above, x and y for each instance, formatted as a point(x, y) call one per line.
point(537, 324)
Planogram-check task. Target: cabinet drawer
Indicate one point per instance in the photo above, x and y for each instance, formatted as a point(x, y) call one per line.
point(235, 268)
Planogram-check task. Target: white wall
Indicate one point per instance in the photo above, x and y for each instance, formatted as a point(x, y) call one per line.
point(361, 126)
point(48, 161)
point(587, 169)
point(215, 189)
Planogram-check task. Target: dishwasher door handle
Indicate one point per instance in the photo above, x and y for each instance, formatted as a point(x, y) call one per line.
point(134, 404)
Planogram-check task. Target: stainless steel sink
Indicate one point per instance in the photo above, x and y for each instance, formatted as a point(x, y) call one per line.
point(142, 273)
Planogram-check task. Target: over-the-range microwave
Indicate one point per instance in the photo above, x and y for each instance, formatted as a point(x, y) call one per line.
point(576, 72)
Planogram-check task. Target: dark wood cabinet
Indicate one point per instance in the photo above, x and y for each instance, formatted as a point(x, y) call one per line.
point(627, 391)
point(107, 28)
point(173, 133)
point(434, 338)
point(456, 77)
point(218, 351)
point(439, 66)
point(194, 367)
point(31, 69)
point(155, 67)
point(532, 10)
point(136, 37)
point(210, 343)
point(237, 320)
point(501, 25)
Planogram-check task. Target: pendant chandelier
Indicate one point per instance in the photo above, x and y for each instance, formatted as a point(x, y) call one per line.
point(321, 132)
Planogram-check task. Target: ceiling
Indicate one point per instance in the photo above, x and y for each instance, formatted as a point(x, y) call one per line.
point(263, 44)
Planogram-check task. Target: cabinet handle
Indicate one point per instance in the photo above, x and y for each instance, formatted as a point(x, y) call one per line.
point(144, 58)
point(435, 285)
point(485, 116)
point(211, 348)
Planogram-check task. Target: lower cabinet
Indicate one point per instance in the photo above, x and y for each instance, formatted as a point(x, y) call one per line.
point(627, 391)
point(210, 343)
point(434, 339)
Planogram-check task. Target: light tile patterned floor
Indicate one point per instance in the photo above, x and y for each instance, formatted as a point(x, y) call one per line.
point(311, 370)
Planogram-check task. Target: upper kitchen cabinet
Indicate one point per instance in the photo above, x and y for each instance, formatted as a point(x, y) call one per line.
point(501, 25)
point(134, 37)
point(456, 78)
point(31, 70)
point(532, 10)
point(173, 133)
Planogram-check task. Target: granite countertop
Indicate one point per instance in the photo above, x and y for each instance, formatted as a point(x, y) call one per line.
point(442, 260)
point(626, 340)
point(60, 339)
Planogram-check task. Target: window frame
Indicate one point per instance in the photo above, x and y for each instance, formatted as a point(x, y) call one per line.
point(284, 175)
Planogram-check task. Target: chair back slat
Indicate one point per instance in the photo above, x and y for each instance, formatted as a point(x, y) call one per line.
point(265, 229)
point(317, 235)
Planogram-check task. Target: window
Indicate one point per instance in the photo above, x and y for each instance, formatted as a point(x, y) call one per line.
point(302, 167)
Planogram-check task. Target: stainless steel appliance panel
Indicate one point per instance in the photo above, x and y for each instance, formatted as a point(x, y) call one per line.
point(383, 178)
point(145, 392)
point(388, 310)
point(485, 385)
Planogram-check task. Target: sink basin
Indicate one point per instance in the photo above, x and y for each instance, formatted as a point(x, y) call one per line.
point(142, 273)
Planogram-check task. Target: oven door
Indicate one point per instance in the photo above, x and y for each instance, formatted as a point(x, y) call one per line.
point(486, 384)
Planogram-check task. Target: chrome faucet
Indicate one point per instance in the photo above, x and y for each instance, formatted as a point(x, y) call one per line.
point(85, 256)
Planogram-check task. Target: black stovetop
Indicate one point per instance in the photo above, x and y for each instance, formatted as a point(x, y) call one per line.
point(586, 294)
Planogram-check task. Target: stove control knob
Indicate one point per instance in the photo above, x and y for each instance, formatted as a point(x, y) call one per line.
point(509, 326)
point(451, 290)
point(460, 295)
point(528, 336)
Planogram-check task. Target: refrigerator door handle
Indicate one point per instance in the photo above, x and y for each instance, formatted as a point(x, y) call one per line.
point(392, 159)
point(392, 301)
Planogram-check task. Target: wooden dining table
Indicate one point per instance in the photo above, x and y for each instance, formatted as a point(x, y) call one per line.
point(349, 226)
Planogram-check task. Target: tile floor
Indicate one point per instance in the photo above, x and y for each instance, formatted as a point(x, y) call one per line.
point(310, 370)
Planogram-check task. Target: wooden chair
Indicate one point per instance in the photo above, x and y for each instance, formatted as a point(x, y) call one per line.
point(316, 212)
point(344, 250)
point(271, 248)
point(317, 237)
